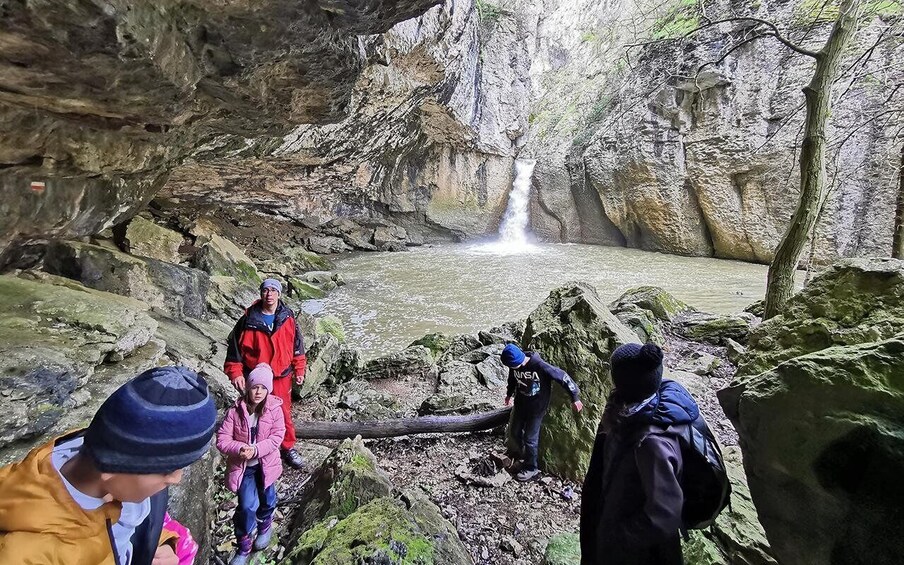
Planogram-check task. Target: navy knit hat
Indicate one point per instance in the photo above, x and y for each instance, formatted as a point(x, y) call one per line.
point(636, 371)
point(512, 356)
point(158, 422)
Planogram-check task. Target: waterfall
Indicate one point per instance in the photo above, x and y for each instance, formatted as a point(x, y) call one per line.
point(513, 230)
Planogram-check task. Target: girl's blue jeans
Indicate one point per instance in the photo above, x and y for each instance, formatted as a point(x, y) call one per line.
point(256, 503)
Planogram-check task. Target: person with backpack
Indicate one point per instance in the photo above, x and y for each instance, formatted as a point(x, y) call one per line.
point(632, 500)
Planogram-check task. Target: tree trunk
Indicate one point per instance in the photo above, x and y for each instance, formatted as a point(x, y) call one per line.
point(897, 240)
point(402, 426)
point(818, 96)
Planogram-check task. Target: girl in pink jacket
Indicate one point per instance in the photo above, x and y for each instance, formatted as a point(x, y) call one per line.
point(249, 438)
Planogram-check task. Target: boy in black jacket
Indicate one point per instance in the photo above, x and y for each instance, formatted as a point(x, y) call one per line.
point(531, 377)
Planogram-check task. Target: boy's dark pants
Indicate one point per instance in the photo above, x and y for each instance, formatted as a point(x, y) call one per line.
point(526, 422)
point(256, 503)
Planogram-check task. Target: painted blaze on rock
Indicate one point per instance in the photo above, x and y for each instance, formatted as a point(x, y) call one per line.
point(574, 330)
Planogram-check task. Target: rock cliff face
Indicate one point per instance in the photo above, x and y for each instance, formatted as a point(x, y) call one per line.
point(652, 147)
point(98, 100)
point(402, 111)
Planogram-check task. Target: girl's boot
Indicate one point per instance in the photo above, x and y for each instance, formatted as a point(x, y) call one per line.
point(264, 534)
point(242, 552)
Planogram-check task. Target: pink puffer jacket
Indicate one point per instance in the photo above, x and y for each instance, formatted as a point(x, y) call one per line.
point(235, 432)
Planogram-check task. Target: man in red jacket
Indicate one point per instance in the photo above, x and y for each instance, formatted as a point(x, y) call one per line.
point(269, 333)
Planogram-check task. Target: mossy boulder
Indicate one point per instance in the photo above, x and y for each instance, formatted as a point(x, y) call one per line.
point(574, 330)
point(53, 338)
point(460, 345)
point(657, 301)
point(437, 343)
point(563, 549)
point(351, 514)
point(331, 325)
point(412, 362)
point(218, 256)
point(228, 298)
point(347, 478)
point(459, 390)
point(362, 402)
point(855, 301)
point(386, 530)
point(177, 290)
point(302, 290)
point(823, 441)
point(714, 329)
point(321, 356)
point(646, 325)
point(147, 239)
point(301, 260)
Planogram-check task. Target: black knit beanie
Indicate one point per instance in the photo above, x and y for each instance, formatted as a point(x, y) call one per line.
point(636, 371)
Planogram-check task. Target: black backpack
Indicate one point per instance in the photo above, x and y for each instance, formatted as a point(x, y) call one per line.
point(704, 480)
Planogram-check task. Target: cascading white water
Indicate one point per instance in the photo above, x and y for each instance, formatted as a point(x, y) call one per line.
point(513, 230)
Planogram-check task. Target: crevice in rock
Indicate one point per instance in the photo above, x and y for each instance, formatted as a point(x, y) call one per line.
point(563, 232)
point(707, 229)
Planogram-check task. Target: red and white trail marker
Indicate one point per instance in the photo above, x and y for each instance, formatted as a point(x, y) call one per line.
point(38, 186)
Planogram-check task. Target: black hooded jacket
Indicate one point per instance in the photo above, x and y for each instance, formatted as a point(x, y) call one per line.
point(632, 499)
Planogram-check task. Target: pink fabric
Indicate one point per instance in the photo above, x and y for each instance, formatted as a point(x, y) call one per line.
point(235, 433)
point(186, 547)
point(261, 375)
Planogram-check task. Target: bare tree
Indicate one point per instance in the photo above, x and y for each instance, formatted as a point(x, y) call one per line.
point(897, 242)
point(818, 96)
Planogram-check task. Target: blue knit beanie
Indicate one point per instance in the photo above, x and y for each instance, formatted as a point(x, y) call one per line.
point(512, 356)
point(158, 422)
point(636, 371)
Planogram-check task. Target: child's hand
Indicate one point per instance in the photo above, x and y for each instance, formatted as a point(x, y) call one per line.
point(508, 400)
point(247, 453)
point(578, 406)
point(165, 555)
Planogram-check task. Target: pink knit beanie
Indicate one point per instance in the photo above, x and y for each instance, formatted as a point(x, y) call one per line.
point(261, 375)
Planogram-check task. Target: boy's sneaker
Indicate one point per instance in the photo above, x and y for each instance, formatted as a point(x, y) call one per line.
point(525, 475)
point(263, 538)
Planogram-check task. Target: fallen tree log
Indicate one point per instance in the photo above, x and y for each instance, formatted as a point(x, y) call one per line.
point(402, 426)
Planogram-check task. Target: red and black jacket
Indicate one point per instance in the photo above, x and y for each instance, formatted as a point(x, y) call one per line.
point(252, 342)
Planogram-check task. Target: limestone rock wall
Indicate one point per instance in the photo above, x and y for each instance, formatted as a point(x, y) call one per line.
point(414, 110)
point(99, 100)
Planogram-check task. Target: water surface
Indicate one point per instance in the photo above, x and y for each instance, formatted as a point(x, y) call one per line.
point(392, 299)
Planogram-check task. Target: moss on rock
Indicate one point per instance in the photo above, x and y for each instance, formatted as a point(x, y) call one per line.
point(563, 549)
point(347, 478)
point(437, 343)
point(302, 290)
point(331, 325)
point(854, 301)
point(379, 532)
point(660, 303)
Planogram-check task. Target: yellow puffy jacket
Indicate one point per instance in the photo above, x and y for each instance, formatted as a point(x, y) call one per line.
point(40, 523)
